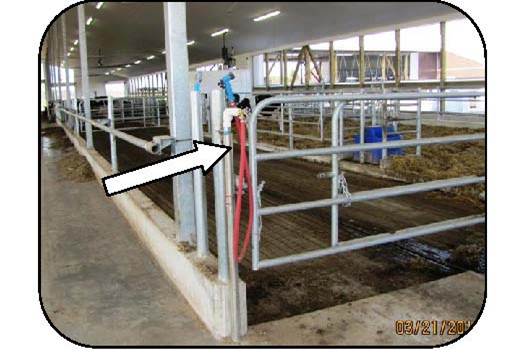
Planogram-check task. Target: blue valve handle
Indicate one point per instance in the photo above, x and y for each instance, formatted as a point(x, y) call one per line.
point(225, 83)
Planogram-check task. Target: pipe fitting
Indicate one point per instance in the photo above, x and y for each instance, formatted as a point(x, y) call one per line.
point(228, 116)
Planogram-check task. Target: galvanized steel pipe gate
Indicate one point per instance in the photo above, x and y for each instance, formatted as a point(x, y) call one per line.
point(344, 197)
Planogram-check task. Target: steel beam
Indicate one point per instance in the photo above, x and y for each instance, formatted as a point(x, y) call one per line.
point(179, 118)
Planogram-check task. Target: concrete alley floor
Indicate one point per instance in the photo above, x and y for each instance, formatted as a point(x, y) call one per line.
point(99, 286)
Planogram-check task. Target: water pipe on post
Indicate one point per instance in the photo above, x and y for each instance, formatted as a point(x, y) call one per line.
point(228, 116)
point(199, 190)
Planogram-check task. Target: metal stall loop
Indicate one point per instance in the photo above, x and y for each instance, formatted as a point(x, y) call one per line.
point(338, 185)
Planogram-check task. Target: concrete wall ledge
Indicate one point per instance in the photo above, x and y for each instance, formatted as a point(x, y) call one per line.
point(195, 278)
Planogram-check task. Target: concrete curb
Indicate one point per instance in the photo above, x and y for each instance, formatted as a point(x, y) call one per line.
point(196, 279)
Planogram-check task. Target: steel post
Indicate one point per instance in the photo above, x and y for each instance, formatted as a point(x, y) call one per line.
point(179, 118)
point(418, 129)
point(290, 127)
point(66, 60)
point(199, 183)
point(362, 130)
point(84, 67)
point(113, 143)
point(321, 122)
point(217, 108)
point(281, 122)
point(336, 118)
point(144, 110)
point(57, 53)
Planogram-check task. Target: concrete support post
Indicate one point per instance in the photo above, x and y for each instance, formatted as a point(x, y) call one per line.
point(443, 65)
point(333, 65)
point(84, 67)
point(362, 61)
point(179, 118)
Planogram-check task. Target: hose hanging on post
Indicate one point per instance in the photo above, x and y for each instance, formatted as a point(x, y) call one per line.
point(243, 176)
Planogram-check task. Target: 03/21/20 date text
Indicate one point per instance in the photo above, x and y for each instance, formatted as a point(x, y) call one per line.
point(431, 327)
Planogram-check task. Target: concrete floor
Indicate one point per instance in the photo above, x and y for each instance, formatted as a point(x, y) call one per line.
point(372, 321)
point(99, 286)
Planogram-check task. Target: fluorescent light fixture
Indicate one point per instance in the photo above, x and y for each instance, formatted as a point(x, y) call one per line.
point(118, 69)
point(221, 32)
point(75, 42)
point(150, 57)
point(189, 43)
point(99, 5)
point(138, 62)
point(107, 73)
point(267, 16)
point(69, 54)
point(163, 52)
point(71, 49)
point(128, 65)
point(89, 21)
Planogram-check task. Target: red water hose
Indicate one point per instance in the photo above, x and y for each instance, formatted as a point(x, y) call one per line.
point(243, 175)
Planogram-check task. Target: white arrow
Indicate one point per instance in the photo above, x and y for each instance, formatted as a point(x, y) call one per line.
point(205, 156)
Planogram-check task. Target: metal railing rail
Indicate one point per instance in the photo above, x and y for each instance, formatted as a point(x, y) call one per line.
point(146, 145)
point(346, 198)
